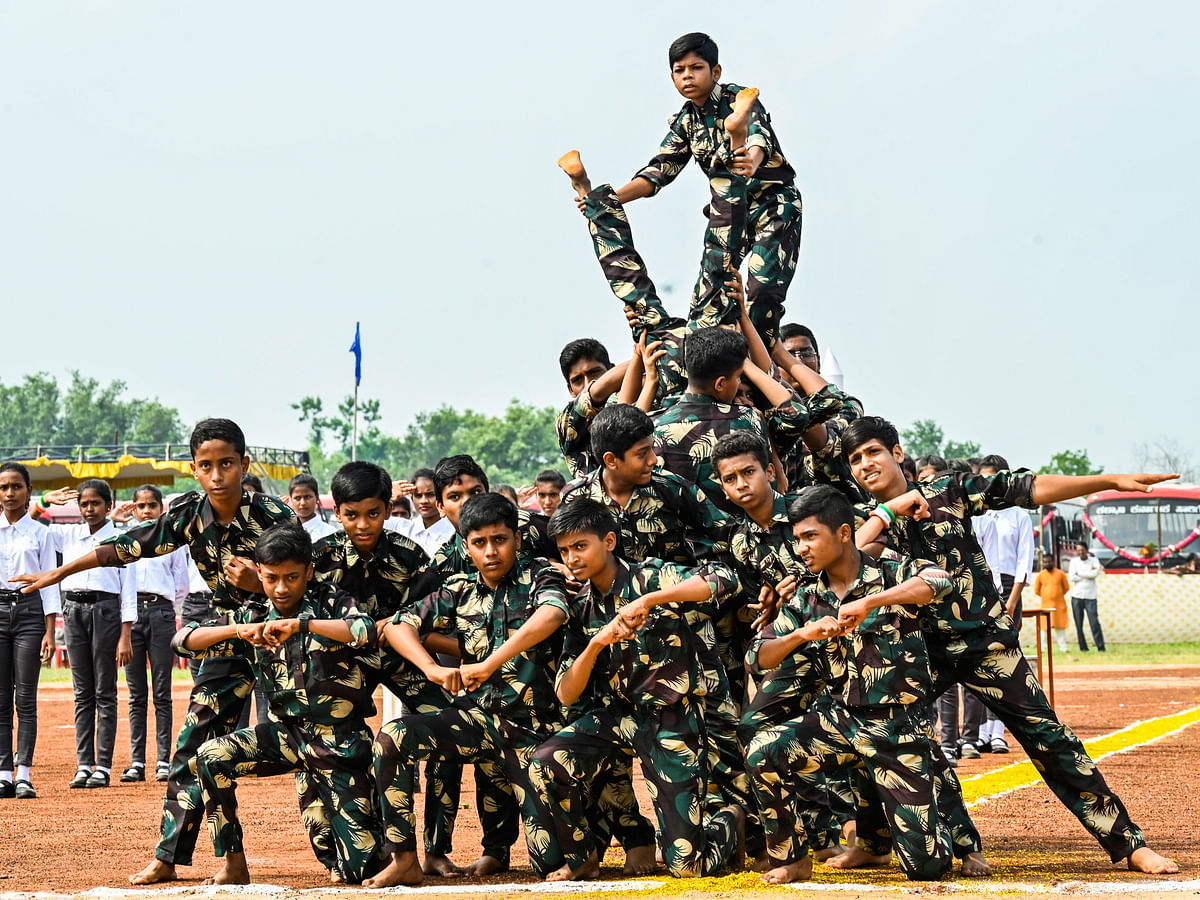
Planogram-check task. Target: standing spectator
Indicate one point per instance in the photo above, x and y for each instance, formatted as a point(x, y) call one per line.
point(1082, 573)
point(1051, 586)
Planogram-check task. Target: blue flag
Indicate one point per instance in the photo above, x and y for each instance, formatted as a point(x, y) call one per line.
point(356, 349)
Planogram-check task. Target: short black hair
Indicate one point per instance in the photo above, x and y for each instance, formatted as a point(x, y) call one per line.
point(826, 503)
point(794, 329)
point(551, 476)
point(993, 461)
point(582, 348)
point(867, 428)
point(583, 515)
point(910, 467)
point(358, 481)
point(507, 490)
point(451, 468)
point(305, 480)
point(710, 353)
point(283, 543)
point(937, 463)
point(20, 470)
point(740, 443)
point(615, 429)
point(252, 481)
point(487, 509)
point(151, 489)
point(423, 472)
point(693, 42)
point(100, 487)
point(225, 430)
point(958, 464)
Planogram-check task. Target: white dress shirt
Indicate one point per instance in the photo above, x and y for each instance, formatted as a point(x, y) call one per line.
point(25, 549)
point(166, 576)
point(1082, 573)
point(985, 532)
point(196, 582)
point(1014, 543)
point(428, 539)
point(318, 528)
point(74, 541)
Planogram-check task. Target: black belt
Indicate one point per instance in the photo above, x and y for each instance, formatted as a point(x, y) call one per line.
point(88, 596)
point(11, 598)
point(198, 595)
point(148, 598)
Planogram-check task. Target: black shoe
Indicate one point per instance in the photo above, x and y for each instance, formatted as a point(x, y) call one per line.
point(25, 790)
point(983, 746)
point(134, 773)
point(81, 779)
point(7, 791)
point(163, 773)
point(98, 779)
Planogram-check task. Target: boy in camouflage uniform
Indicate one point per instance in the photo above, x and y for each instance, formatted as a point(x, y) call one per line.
point(631, 652)
point(971, 639)
point(314, 653)
point(592, 381)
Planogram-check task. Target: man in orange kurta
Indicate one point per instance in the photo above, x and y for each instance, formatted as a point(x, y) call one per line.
point(1051, 586)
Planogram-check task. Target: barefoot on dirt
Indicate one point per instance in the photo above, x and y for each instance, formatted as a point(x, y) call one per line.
point(640, 861)
point(486, 865)
point(155, 873)
point(589, 871)
point(854, 858)
point(234, 871)
point(797, 871)
point(1146, 860)
point(437, 864)
point(403, 869)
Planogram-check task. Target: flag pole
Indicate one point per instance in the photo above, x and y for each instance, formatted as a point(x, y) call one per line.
point(354, 438)
point(356, 349)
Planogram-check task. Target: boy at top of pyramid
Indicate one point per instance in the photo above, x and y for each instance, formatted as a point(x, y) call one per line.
point(755, 208)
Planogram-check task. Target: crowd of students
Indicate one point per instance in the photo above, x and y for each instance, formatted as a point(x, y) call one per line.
point(743, 588)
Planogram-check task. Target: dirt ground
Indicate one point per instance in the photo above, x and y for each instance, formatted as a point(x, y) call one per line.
point(69, 841)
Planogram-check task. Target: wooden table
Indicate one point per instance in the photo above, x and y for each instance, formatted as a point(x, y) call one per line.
point(1041, 617)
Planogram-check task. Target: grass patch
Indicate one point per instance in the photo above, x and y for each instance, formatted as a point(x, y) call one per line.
point(1177, 654)
point(64, 674)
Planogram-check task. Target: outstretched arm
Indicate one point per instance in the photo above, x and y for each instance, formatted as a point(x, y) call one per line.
point(39, 580)
point(1056, 488)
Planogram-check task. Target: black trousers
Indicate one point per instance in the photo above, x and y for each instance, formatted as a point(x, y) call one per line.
point(1086, 606)
point(91, 631)
point(22, 627)
point(151, 638)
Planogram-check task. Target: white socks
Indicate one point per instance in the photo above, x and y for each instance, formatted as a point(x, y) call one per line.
point(23, 774)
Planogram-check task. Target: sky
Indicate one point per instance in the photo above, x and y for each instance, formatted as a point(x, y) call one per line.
point(1000, 202)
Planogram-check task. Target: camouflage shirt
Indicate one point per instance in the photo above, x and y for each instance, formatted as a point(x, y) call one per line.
point(310, 679)
point(686, 431)
point(522, 690)
point(948, 540)
point(801, 466)
point(380, 583)
point(882, 662)
point(452, 557)
point(766, 555)
point(190, 522)
point(667, 519)
point(660, 665)
point(573, 426)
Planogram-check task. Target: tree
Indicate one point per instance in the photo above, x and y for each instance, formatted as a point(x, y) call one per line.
point(923, 438)
point(1070, 462)
point(30, 411)
point(1165, 455)
point(961, 449)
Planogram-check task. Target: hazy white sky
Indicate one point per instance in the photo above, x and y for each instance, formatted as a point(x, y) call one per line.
point(1000, 201)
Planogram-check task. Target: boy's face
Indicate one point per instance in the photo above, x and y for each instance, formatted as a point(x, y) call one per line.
point(285, 584)
point(93, 508)
point(694, 79)
point(219, 468)
point(743, 396)
point(585, 554)
point(582, 374)
point(456, 494)
point(363, 521)
point(926, 473)
point(744, 480)
point(819, 545)
point(877, 468)
point(424, 498)
point(548, 496)
point(14, 492)
point(304, 502)
point(725, 389)
point(637, 465)
point(146, 506)
point(493, 550)
point(801, 347)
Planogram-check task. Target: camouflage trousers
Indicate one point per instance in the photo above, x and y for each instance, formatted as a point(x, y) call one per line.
point(222, 688)
point(668, 742)
point(336, 763)
point(994, 669)
point(895, 753)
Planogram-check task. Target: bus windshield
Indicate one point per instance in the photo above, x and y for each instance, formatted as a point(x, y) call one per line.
point(1132, 523)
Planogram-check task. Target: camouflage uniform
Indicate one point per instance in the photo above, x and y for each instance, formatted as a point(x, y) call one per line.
point(645, 698)
point(221, 686)
point(972, 641)
point(573, 426)
point(801, 466)
point(758, 218)
point(498, 726)
point(879, 675)
point(320, 697)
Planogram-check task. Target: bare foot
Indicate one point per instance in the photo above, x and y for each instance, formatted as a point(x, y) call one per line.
point(737, 862)
point(486, 865)
point(403, 869)
point(829, 852)
point(640, 861)
point(737, 123)
point(797, 871)
point(233, 872)
point(1143, 859)
point(850, 833)
point(975, 866)
point(573, 166)
point(155, 873)
point(589, 871)
point(436, 864)
point(854, 858)
point(335, 877)
point(762, 863)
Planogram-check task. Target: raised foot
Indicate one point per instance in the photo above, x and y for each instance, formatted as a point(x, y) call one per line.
point(589, 871)
point(155, 873)
point(486, 865)
point(1146, 860)
point(797, 871)
point(858, 859)
point(571, 163)
point(829, 852)
point(403, 869)
point(436, 864)
point(233, 872)
point(640, 861)
point(737, 123)
point(975, 866)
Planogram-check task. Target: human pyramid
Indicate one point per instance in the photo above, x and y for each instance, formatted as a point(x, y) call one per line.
point(742, 589)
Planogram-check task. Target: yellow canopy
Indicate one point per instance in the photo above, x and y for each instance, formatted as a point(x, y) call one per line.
point(127, 471)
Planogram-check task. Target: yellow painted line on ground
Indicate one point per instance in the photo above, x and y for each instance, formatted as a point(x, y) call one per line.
point(987, 786)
